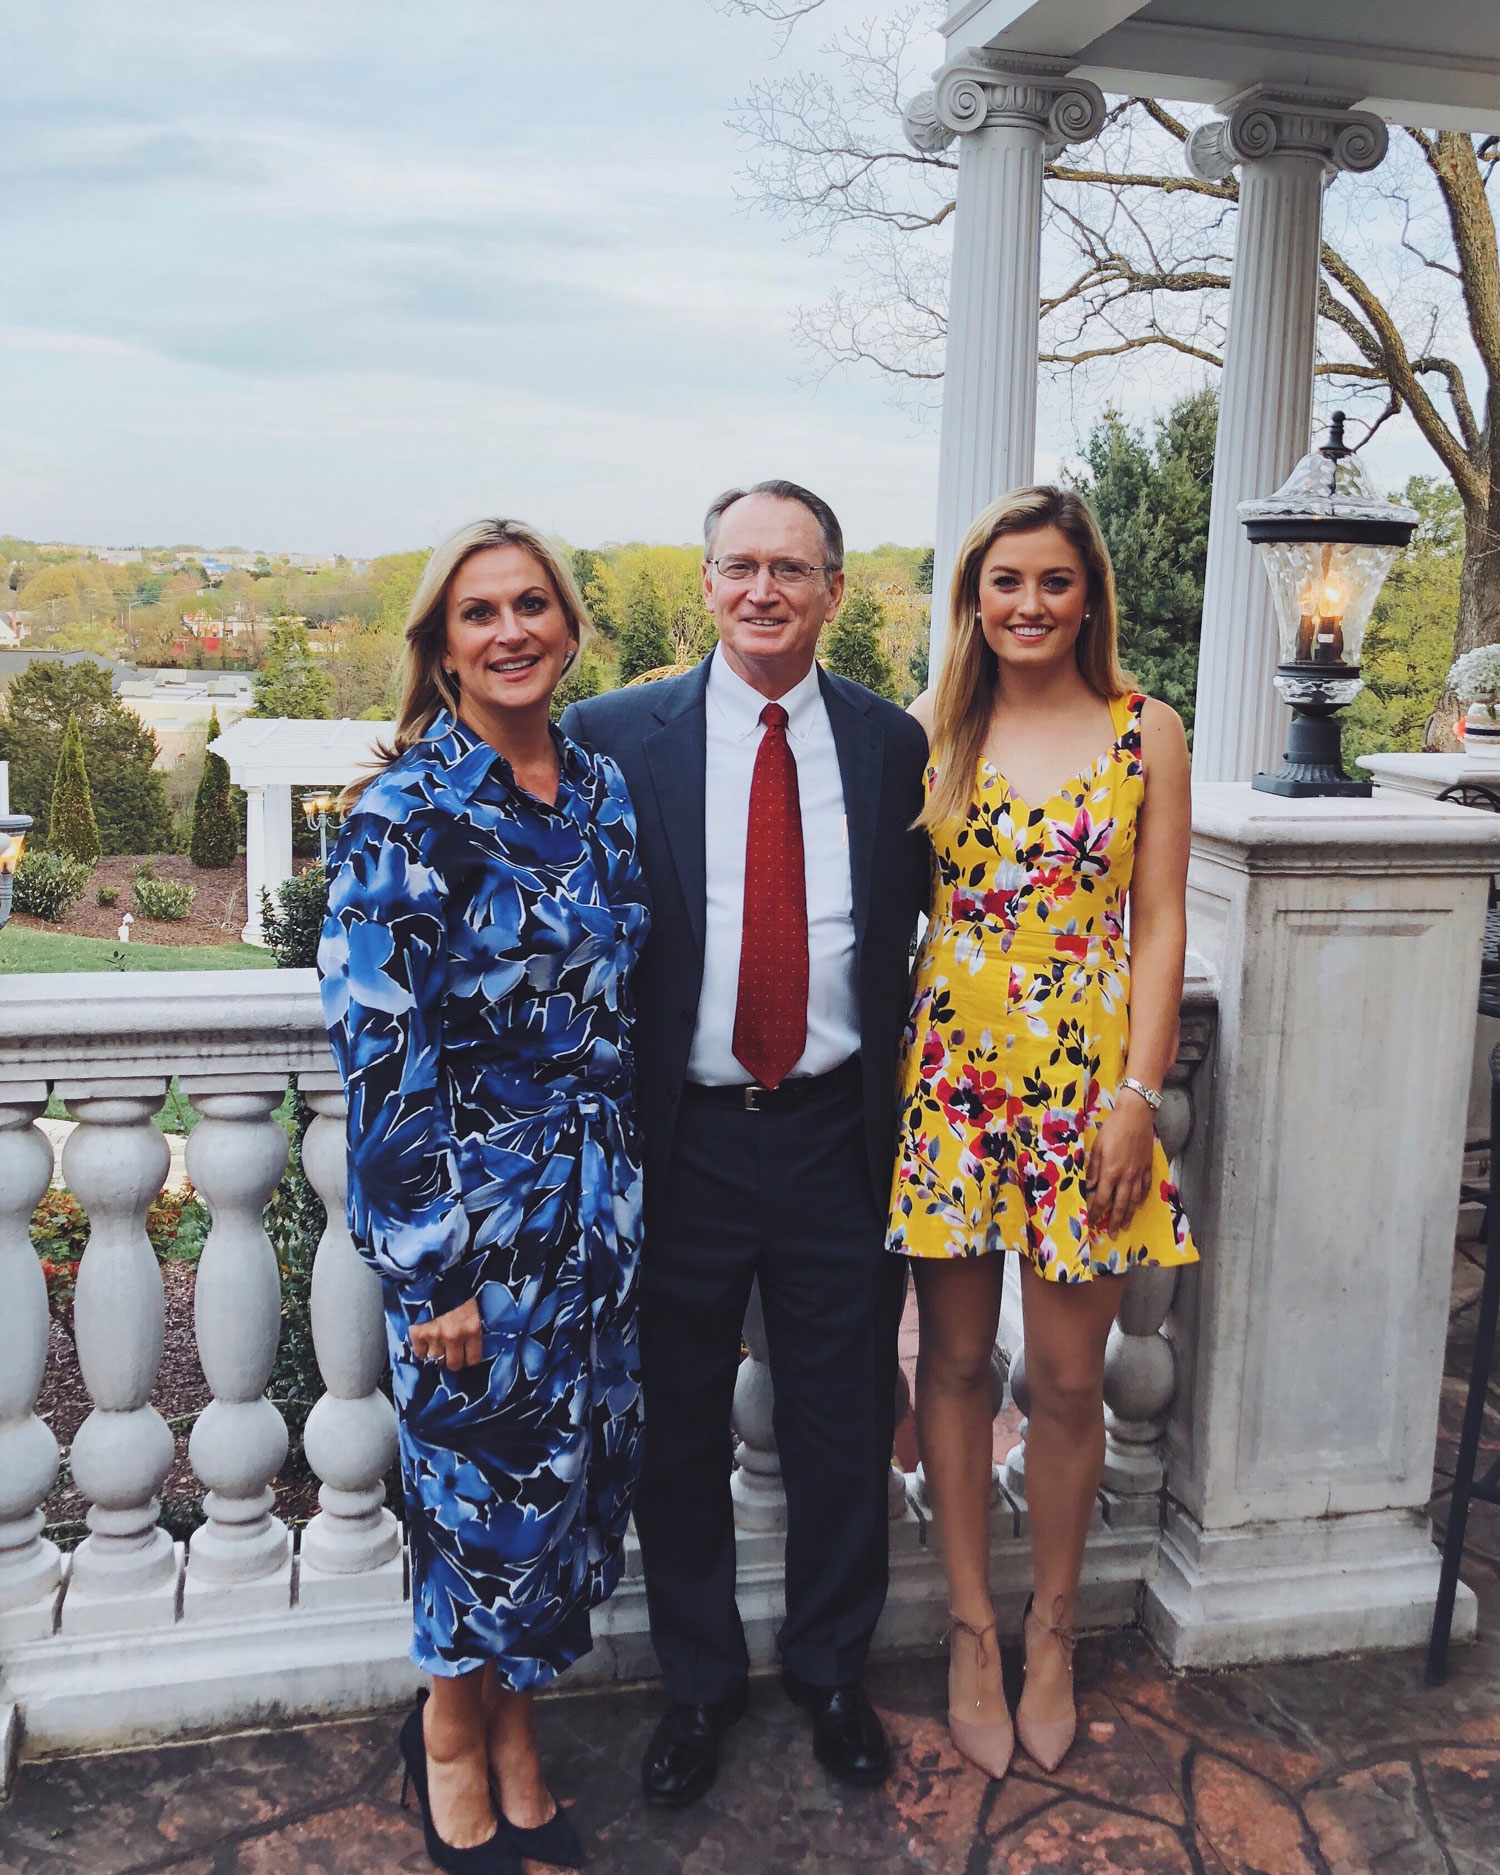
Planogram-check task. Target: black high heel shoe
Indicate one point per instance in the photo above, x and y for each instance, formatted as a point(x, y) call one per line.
point(554, 1842)
point(494, 1857)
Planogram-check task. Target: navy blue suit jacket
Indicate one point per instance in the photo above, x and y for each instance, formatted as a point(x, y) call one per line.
point(658, 735)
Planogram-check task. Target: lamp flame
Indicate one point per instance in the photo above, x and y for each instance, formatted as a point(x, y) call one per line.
point(11, 851)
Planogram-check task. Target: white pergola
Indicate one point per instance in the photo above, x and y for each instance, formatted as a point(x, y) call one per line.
point(1304, 92)
point(268, 757)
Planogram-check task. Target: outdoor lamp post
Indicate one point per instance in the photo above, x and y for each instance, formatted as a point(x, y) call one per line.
point(13, 831)
point(317, 808)
point(1326, 541)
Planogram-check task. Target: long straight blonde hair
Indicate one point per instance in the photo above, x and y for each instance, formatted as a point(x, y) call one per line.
point(971, 672)
point(426, 688)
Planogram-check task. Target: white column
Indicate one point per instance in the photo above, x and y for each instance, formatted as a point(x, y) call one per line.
point(1323, 1188)
point(1008, 114)
point(1287, 149)
point(278, 836)
point(30, 1568)
point(351, 1551)
point(241, 1558)
point(256, 876)
point(124, 1573)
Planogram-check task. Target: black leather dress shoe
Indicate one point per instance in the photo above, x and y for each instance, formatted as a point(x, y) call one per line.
point(682, 1759)
point(848, 1738)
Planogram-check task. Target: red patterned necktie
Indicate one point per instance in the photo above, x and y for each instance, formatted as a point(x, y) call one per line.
point(770, 1017)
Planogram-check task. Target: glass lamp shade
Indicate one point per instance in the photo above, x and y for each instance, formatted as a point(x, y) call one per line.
point(315, 804)
point(1324, 592)
point(1326, 541)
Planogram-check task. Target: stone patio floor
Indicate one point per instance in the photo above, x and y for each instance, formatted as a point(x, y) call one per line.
point(1345, 1767)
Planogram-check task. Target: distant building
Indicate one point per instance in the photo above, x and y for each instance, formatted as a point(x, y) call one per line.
point(176, 705)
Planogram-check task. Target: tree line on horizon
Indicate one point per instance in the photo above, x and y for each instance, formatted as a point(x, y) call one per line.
point(326, 645)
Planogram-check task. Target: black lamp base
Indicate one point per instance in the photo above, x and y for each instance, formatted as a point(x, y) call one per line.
point(1314, 764)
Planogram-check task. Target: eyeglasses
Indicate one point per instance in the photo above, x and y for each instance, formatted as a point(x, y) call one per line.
point(783, 572)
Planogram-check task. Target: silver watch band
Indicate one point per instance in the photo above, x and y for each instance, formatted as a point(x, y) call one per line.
point(1149, 1094)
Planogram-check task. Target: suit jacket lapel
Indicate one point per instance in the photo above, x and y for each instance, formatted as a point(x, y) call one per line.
point(861, 749)
point(677, 757)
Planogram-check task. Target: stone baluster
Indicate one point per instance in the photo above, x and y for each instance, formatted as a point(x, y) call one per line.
point(30, 1567)
point(1140, 1363)
point(124, 1573)
point(241, 1557)
point(759, 1495)
point(351, 1551)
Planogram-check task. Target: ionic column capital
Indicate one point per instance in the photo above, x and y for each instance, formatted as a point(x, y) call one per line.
point(1261, 122)
point(979, 89)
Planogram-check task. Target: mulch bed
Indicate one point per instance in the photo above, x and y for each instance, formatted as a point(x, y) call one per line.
point(179, 1395)
point(217, 916)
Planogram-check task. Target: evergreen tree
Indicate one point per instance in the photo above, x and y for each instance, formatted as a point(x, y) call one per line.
point(290, 682)
point(130, 800)
point(852, 647)
point(1409, 641)
point(645, 642)
point(589, 571)
point(1152, 502)
point(214, 841)
point(924, 569)
point(71, 827)
point(589, 676)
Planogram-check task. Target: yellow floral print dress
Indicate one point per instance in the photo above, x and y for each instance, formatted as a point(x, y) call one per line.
point(1019, 1028)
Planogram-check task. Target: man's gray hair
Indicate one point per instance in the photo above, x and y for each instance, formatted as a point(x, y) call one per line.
point(828, 522)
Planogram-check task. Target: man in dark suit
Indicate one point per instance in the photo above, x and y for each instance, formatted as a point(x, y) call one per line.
point(775, 805)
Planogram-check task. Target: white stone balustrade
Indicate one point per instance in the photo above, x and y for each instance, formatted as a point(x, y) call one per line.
point(125, 1571)
point(235, 1156)
point(30, 1567)
point(351, 1551)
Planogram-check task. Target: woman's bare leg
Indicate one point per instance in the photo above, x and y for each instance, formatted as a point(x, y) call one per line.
point(1067, 1326)
point(513, 1756)
point(958, 1302)
point(457, 1775)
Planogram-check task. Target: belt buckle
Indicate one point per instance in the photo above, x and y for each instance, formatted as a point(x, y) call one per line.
point(753, 1091)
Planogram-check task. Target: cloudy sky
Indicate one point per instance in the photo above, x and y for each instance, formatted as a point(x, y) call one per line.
point(326, 276)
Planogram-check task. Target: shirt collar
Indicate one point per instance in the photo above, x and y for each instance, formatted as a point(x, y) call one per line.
point(740, 704)
point(468, 758)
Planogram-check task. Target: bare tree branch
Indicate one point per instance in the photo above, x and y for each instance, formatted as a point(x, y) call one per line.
point(1131, 345)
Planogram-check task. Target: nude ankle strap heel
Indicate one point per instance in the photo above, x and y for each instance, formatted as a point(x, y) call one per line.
point(988, 1743)
point(1048, 1741)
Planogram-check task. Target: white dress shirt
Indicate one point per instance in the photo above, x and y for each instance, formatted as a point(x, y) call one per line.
point(734, 733)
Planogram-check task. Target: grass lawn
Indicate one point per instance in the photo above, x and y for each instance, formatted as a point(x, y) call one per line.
point(28, 950)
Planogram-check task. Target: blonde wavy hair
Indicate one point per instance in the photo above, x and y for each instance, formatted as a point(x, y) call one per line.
point(970, 674)
point(426, 688)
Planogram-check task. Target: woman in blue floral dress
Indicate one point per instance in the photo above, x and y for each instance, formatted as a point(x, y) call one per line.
point(485, 911)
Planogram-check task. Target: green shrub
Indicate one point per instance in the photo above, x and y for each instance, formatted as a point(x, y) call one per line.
point(107, 895)
point(71, 827)
point(292, 931)
point(214, 841)
point(48, 883)
point(295, 1220)
point(144, 871)
point(166, 901)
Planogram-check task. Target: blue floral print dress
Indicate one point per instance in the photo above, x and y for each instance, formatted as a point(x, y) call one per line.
point(475, 968)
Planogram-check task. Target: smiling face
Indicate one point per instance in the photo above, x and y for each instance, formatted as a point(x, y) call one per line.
point(769, 631)
point(1033, 595)
point(508, 639)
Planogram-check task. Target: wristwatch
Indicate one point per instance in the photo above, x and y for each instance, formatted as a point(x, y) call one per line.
point(1149, 1094)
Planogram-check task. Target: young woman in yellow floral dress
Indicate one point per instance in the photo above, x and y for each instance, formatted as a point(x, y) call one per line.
point(1057, 799)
